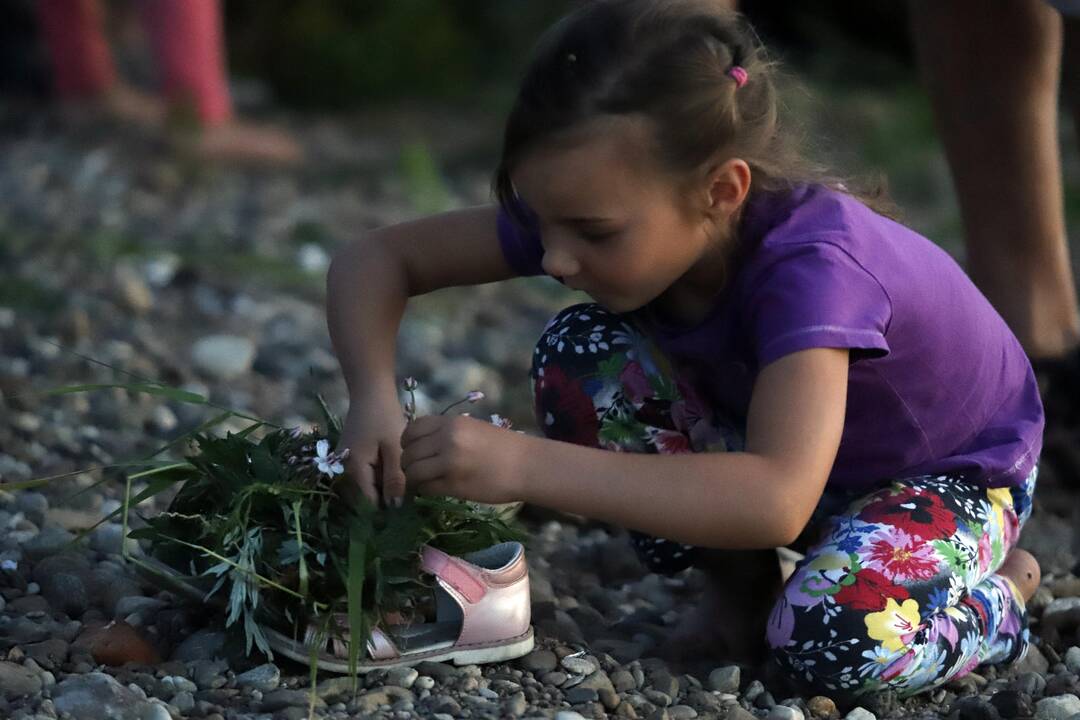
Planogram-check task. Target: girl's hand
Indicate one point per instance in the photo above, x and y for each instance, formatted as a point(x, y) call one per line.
point(463, 457)
point(372, 432)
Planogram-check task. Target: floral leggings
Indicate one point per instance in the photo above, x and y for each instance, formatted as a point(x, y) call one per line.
point(897, 591)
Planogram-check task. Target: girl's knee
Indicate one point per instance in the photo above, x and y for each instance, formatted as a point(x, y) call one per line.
point(577, 339)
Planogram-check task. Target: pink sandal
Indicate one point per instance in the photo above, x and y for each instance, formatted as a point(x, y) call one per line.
point(482, 615)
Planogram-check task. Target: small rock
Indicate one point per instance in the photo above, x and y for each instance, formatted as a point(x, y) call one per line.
point(681, 712)
point(582, 665)
point(725, 679)
point(1062, 612)
point(860, 713)
point(1033, 662)
point(752, 691)
point(223, 357)
point(1061, 707)
point(783, 712)
point(17, 681)
point(403, 677)
point(97, 696)
point(264, 677)
point(738, 712)
point(49, 654)
point(516, 704)
point(118, 643)
point(1072, 659)
point(821, 707)
point(200, 645)
point(578, 695)
point(282, 698)
point(1012, 704)
point(622, 681)
point(568, 715)
point(1062, 684)
point(974, 708)
point(1032, 684)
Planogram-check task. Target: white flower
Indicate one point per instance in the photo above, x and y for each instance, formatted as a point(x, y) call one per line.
point(328, 462)
point(411, 384)
point(474, 396)
point(9, 565)
point(500, 421)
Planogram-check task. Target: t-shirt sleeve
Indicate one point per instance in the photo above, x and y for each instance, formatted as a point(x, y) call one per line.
point(815, 294)
point(520, 244)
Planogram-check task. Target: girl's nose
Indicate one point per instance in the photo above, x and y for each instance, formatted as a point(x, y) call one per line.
point(559, 263)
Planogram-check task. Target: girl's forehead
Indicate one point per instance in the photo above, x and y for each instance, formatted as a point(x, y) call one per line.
point(611, 158)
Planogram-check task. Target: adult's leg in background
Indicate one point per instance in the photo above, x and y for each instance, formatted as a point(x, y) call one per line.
point(992, 70)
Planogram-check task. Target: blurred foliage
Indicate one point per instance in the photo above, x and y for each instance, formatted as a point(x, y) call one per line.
point(424, 184)
point(343, 53)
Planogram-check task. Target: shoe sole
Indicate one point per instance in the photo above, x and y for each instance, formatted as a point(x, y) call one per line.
point(473, 654)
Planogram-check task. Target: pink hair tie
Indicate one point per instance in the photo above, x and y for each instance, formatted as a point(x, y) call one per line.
point(738, 74)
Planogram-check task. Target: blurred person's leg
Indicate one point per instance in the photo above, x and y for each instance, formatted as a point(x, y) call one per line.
point(188, 40)
point(84, 76)
point(82, 65)
point(992, 70)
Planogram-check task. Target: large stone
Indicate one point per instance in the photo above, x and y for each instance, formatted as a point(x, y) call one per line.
point(97, 696)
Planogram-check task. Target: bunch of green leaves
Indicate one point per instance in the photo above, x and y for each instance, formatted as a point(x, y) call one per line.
point(259, 527)
point(269, 527)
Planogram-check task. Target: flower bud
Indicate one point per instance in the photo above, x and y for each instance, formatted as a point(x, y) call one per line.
point(474, 396)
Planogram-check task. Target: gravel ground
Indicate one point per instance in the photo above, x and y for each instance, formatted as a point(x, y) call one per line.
point(114, 250)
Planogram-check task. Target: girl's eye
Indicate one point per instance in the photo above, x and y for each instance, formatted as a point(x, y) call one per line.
point(598, 236)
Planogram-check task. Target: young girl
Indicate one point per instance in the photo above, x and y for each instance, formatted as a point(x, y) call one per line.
point(768, 360)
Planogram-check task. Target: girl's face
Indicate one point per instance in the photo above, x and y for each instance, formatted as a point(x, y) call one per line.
point(612, 223)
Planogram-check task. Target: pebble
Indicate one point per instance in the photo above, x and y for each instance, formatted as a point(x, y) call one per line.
point(265, 677)
point(725, 679)
point(17, 681)
point(783, 712)
point(1061, 707)
point(584, 665)
point(1012, 704)
point(821, 707)
point(752, 691)
point(1072, 659)
point(860, 713)
point(223, 357)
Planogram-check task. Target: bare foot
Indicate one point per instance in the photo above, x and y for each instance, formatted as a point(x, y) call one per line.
point(730, 619)
point(1022, 568)
point(243, 141)
point(121, 103)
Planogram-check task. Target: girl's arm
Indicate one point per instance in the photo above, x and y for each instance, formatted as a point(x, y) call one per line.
point(371, 279)
point(368, 285)
point(759, 498)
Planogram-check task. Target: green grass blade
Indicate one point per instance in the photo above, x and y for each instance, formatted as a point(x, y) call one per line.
point(357, 562)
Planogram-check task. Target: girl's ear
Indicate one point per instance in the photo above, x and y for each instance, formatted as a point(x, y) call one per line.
point(727, 186)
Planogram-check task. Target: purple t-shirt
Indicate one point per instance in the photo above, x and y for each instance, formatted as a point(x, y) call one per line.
point(937, 381)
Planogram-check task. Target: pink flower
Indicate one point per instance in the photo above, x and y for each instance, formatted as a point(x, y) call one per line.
point(474, 396)
point(501, 422)
point(411, 384)
point(900, 556)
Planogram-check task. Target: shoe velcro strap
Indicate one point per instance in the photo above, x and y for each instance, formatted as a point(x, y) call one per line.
point(454, 572)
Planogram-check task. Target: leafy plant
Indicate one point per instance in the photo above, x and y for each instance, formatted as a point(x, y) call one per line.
point(261, 522)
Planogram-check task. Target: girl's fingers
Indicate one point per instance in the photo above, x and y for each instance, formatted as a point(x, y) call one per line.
point(393, 478)
point(419, 428)
point(423, 472)
point(360, 478)
point(421, 449)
